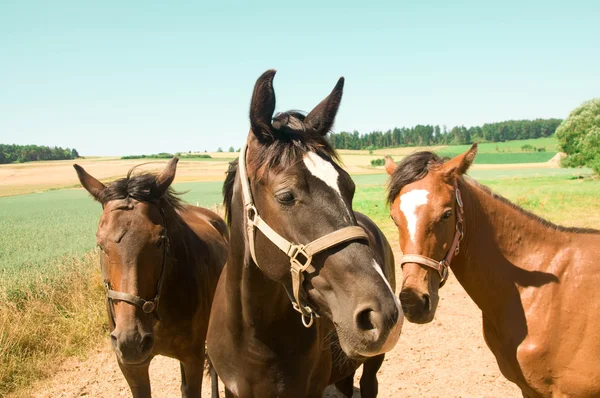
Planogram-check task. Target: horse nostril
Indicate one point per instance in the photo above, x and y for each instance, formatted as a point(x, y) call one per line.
point(364, 321)
point(426, 302)
point(147, 343)
point(113, 340)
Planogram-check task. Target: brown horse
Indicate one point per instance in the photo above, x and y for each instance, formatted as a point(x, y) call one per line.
point(535, 282)
point(303, 299)
point(161, 260)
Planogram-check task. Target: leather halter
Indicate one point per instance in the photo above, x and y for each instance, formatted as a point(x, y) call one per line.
point(148, 306)
point(300, 255)
point(442, 266)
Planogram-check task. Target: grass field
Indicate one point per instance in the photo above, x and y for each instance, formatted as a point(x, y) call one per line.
point(19, 179)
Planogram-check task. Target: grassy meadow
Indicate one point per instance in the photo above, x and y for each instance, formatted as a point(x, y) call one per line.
point(51, 297)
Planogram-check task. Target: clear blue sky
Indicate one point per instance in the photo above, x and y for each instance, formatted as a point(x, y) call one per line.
point(125, 77)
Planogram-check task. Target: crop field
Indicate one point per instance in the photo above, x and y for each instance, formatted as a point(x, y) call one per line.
point(18, 179)
point(50, 284)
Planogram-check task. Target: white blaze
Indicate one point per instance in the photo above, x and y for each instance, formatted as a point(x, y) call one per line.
point(323, 170)
point(408, 205)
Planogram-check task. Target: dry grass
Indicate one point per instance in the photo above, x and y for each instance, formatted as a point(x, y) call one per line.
point(45, 318)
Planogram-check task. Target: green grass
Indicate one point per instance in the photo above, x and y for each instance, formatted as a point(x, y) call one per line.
point(550, 143)
point(38, 228)
point(507, 152)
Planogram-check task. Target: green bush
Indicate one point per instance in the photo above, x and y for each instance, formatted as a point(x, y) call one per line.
point(579, 136)
point(377, 162)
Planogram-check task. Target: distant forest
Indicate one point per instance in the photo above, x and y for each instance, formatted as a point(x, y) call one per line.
point(29, 153)
point(422, 135)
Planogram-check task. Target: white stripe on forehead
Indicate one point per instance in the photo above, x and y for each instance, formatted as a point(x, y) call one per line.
point(323, 170)
point(408, 205)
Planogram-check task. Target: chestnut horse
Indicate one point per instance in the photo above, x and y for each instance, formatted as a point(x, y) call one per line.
point(303, 299)
point(161, 260)
point(535, 282)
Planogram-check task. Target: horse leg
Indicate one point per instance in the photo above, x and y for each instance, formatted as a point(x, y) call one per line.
point(368, 381)
point(192, 370)
point(229, 394)
point(138, 380)
point(346, 386)
point(214, 380)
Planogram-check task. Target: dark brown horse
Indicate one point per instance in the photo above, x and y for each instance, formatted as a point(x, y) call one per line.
point(536, 283)
point(161, 260)
point(303, 299)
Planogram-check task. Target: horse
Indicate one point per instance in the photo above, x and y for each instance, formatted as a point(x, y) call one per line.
point(534, 281)
point(307, 293)
point(160, 260)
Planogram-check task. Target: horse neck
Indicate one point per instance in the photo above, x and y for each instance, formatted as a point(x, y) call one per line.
point(503, 250)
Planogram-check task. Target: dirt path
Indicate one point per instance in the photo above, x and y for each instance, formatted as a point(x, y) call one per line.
point(447, 357)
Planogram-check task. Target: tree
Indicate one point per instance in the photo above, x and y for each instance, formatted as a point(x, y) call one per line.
point(231, 149)
point(219, 149)
point(579, 136)
point(74, 153)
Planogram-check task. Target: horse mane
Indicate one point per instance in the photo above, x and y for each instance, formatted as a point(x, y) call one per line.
point(228, 189)
point(292, 138)
point(412, 168)
point(142, 187)
point(416, 166)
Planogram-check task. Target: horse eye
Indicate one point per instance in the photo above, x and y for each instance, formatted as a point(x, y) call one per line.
point(447, 215)
point(285, 198)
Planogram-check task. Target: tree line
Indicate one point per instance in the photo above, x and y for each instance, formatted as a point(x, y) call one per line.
point(422, 135)
point(29, 153)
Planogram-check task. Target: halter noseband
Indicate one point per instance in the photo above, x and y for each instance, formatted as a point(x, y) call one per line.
point(148, 306)
point(300, 255)
point(442, 266)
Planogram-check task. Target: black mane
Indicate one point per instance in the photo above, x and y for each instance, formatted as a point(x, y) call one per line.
point(412, 168)
point(292, 138)
point(142, 187)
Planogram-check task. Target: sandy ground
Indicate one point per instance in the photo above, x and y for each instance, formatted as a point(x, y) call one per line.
point(446, 358)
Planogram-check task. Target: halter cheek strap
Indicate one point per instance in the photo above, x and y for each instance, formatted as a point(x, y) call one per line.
point(300, 255)
point(442, 266)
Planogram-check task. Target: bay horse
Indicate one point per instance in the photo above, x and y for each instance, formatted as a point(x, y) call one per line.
point(303, 299)
point(160, 260)
point(535, 282)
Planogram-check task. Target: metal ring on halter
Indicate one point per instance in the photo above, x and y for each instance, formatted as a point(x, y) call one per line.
point(310, 322)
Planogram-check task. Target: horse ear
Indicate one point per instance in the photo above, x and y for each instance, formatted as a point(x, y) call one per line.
point(322, 117)
point(164, 180)
point(458, 165)
point(390, 165)
point(92, 185)
point(262, 106)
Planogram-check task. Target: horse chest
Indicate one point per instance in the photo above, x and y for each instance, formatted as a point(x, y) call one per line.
point(280, 370)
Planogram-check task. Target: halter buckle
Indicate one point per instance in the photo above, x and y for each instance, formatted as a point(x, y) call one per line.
point(251, 213)
point(148, 307)
point(299, 258)
point(458, 197)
